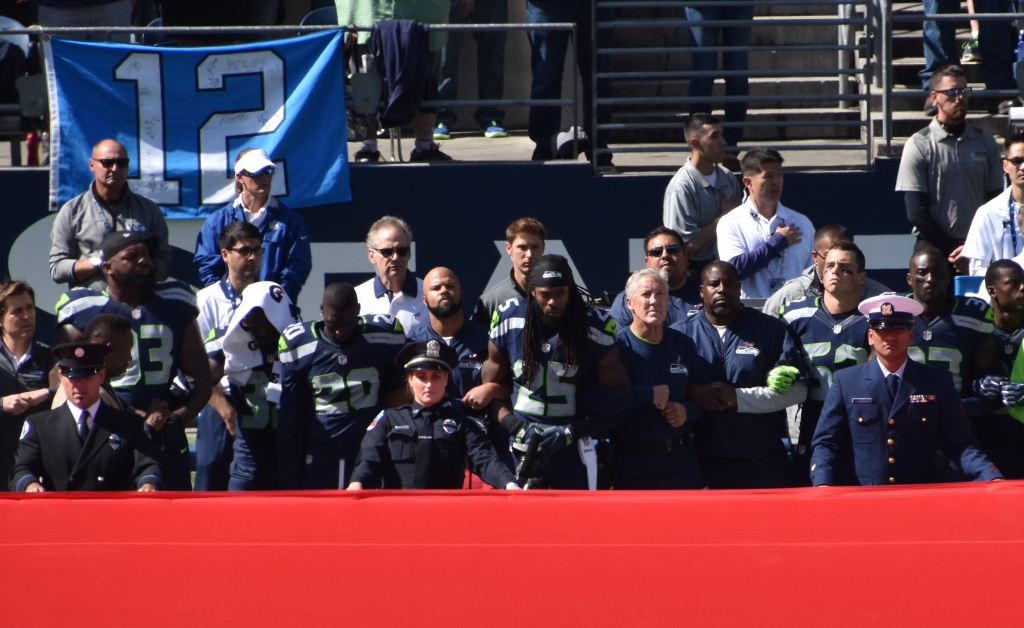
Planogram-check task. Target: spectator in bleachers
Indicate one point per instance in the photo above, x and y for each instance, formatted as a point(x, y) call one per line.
point(107, 206)
point(369, 12)
point(766, 242)
point(996, 230)
point(393, 290)
point(665, 253)
point(524, 243)
point(63, 13)
point(24, 367)
point(490, 66)
point(809, 283)
point(702, 191)
point(949, 169)
point(735, 60)
point(287, 256)
point(547, 62)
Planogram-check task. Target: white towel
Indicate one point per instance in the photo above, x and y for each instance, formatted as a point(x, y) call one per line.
point(241, 354)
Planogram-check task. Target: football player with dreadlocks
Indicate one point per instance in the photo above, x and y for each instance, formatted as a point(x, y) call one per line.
point(568, 383)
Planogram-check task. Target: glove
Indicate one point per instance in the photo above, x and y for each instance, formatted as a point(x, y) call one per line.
point(990, 387)
point(553, 438)
point(781, 378)
point(1013, 394)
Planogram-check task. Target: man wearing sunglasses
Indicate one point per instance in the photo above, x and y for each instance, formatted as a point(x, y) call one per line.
point(995, 232)
point(393, 290)
point(287, 257)
point(665, 252)
point(107, 206)
point(949, 169)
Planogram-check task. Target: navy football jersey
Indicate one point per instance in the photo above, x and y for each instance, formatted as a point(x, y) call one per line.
point(157, 327)
point(830, 342)
point(670, 361)
point(330, 393)
point(551, 397)
point(950, 340)
point(470, 343)
point(1007, 346)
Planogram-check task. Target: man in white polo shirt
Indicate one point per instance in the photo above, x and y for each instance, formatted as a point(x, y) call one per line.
point(768, 243)
point(995, 232)
point(393, 289)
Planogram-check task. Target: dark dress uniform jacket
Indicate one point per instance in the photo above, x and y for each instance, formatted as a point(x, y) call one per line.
point(116, 455)
point(416, 447)
point(895, 443)
point(32, 375)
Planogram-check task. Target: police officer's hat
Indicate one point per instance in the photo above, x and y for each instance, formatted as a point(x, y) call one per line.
point(431, 355)
point(890, 311)
point(118, 241)
point(80, 359)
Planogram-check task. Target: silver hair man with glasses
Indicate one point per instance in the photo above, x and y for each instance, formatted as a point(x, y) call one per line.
point(107, 206)
point(393, 290)
point(287, 256)
point(949, 169)
point(996, 230)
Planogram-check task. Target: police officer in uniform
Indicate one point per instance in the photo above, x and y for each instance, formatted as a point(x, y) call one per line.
point(84, 445)
point(891, 414)
point(425, 444)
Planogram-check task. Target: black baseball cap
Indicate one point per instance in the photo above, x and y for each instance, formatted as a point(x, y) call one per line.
point(118, 241)
point(80, 359)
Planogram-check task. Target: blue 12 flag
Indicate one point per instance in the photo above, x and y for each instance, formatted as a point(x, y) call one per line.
point(184, 113)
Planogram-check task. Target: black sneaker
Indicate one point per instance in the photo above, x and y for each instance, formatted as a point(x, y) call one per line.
point(366, 156)
point(430, 154)
point(541, 154)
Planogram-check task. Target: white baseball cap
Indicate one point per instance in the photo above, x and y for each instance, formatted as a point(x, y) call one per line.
point(254, 161)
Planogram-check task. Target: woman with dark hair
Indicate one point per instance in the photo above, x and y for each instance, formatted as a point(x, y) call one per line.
point(24, 367)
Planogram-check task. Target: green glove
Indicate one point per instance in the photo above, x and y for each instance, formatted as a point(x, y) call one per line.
point(781, 378)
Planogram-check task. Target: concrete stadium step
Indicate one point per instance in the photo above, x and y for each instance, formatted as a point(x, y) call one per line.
point(759, 87)
point(780, 130)
point(906, 123)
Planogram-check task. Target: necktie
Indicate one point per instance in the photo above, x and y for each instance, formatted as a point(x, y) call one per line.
point(84, 430)
point(892, 380)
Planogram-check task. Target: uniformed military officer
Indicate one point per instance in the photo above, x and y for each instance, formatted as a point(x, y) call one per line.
point(84, 445)
point(890, 415)
point(425, 444)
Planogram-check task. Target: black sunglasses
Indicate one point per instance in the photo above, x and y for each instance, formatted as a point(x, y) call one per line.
point(269, 170)
point(955, 92)
point(121, 162)
point(673, 249)
point(403, 251)
point(248, 251)
point(1016, 161)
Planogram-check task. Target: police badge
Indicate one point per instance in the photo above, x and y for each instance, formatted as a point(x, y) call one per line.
point(115, 442)
point(886, 309)
point(433, 349)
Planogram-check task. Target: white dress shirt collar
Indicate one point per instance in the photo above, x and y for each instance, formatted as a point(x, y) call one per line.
point(76, 412)
point(899, 372)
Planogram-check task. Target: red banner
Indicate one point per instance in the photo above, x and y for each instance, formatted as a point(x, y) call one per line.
point(897, 556)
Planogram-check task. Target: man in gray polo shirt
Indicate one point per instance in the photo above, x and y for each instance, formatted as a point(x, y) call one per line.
point(702, 191)
point(107, 206)
point(949, 169)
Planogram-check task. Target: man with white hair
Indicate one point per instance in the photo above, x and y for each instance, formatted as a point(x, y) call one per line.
point(393, 290)
point(287, 258)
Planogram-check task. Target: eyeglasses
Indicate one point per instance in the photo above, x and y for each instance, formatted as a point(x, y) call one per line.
point(121, 162)
point(1016, 161)
point(269, 171)
point(956, 92)
point(248, 251)
point(403, 251)
point(673, 249)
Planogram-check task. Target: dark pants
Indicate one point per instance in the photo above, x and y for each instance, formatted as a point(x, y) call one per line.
point(1002, 437)
point(563, 470)
point(771, 471)
point(996, 43)
point(174, 457)
point(708, 61)
point(673, 470)
point(547, 60)
point(242, 484)
point(490, 62)
point(321, 467)
point(213, 452)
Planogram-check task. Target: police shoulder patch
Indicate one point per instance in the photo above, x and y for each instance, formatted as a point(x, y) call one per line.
point(375, 420)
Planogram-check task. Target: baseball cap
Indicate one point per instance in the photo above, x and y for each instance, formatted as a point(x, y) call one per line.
point(118, 241)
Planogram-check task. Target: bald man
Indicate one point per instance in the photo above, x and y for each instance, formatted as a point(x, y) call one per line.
point(442, 294)
point(107, 206)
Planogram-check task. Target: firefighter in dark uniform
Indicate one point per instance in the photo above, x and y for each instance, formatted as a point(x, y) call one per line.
point(891, 414)
point(84, 444)
point(425, 444)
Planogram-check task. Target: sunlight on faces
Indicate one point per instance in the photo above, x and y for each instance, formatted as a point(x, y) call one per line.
point(19, 320)
point(711, 143)
point(1007, 291)
point(83, 391)
point(115, 176)
point(552, 300)
point(649, 301)
point(524, 249)
point(428, 387)
point(766, 186)
point(929, 277)
point(950, 110)
point(720, 290)
point(245, 267)
point(442, 293)
point(1016, 173)
point(394, 266)
point(673, 265)
point(890, 343)
point(841, 276)
point(132, 268)
point(339, 324)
